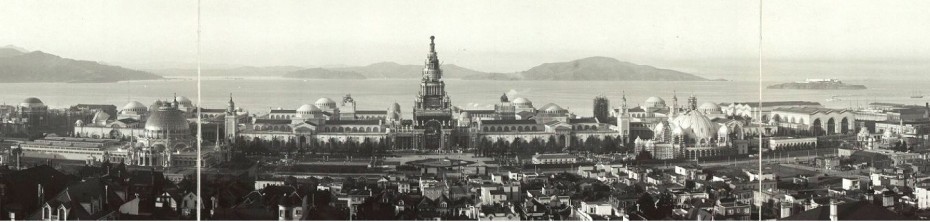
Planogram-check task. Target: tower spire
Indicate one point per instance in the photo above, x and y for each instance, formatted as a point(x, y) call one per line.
point(432, 43)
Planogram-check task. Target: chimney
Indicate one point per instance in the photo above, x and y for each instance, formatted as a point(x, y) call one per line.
point(833, 214)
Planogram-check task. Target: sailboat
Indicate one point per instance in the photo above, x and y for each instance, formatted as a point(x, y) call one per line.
point(918, 95)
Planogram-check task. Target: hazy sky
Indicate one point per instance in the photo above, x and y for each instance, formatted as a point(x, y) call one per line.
point(712, 38)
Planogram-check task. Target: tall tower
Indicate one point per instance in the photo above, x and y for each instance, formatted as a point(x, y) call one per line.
point(432, 107)
point(673, 111)
point(601, 108)
point(231, 120)
point(692, 102)
point(623, 120)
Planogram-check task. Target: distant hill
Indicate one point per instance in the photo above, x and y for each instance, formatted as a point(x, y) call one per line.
point(244, 71)
point(817, 86)
point(604, 69)
point(37, 66)
point(587, 69)
point(391, 70)
point(320, 73)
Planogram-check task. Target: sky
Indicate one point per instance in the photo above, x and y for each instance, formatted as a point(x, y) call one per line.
point(718, 39)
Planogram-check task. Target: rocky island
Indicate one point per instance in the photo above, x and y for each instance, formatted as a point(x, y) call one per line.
point(817, 84)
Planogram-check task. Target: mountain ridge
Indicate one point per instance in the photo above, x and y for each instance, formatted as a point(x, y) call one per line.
point(38, 66)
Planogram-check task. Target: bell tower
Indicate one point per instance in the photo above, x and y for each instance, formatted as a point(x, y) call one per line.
point(231, 121)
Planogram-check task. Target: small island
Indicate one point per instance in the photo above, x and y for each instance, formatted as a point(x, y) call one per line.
point(817, 84)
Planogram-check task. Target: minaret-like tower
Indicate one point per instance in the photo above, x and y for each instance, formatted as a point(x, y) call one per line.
point(231, 121)
point(692, 102)
point(432, 107)
point(673, 111)
point(623, 119)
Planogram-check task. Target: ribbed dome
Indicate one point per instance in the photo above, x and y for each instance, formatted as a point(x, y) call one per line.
point(166, 118)
point(325, 103)
point(134, 106)
point(32, 102)
point(696, 126)
point(307, 108)
point(655, 102)
point(184, 100)
point(522, 101)
point(710, 108)
point(552, 108)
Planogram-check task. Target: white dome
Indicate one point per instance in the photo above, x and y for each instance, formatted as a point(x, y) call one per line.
point(134, 106)
point(522, 101)
point(325, 103)
point(184, 100)
point(724, 130)
point(710, 108)
point(307, 108)
point(696, 125)
point(655, 102)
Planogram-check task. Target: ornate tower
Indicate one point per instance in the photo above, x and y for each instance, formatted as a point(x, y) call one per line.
point(231, 120)
point(432, 107)
point(692, 102)
point(673, 111)
point(623, 119)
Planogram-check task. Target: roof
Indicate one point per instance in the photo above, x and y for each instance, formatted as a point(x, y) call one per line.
point(779, 103)
point(354, 122)
point(205, 110)
point(810, 110)
point(505, 122)
point(283, 111)
point(554, 156)
point(371, 112)
point(861, 210)
point(272, 121)
point(584, 120)
point(480, 111)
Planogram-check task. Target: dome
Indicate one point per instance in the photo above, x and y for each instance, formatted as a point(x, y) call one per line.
point(655, 102)
point(522, 101)
point(395, 108)
point(710, 108)
point(307, 108)
point(134, 106)
point(724, 130)
point(79, 123)
point(184, 100)
point(101, 116)
point(553, 108)
point(659, 128)
point(696, 125)
point(166, 118)
point(325, 103)
point(32, 102)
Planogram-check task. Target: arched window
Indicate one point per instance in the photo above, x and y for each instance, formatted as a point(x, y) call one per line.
point(534, 128)
point(485, 128)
